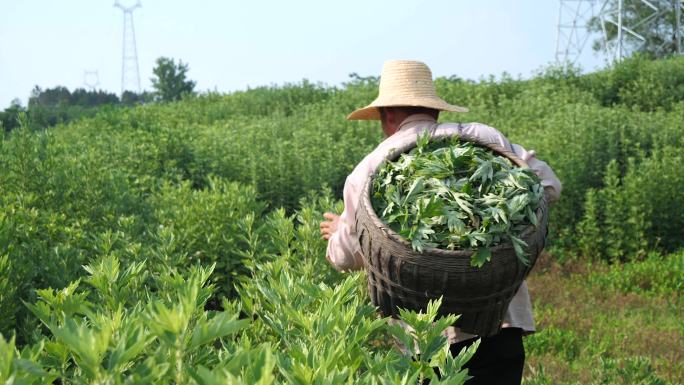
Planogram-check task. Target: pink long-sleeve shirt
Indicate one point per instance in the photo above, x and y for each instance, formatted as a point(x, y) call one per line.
point(344, 250)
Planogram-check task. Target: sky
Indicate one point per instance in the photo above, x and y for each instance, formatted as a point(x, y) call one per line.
point(232, 45)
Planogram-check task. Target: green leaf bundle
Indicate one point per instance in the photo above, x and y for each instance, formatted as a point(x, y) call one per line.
point(453, 194)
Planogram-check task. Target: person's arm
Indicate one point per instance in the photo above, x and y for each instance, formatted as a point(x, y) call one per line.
point(344, 251)
point(549, 180)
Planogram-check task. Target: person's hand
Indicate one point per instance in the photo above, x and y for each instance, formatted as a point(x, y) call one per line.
point(330, 226)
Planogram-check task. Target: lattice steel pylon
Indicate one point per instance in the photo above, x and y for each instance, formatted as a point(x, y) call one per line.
point(573, 17)
point(130, 73)
point(679, 32)
point(613, 13)
point(91, 79)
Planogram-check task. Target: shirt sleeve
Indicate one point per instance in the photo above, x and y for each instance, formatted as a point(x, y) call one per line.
point(344, 250)
point(551, 183)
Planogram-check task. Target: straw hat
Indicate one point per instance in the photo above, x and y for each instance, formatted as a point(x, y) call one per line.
point(404, 83)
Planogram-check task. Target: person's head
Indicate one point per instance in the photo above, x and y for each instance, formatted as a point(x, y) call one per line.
point(392, 117)
point(406, 88)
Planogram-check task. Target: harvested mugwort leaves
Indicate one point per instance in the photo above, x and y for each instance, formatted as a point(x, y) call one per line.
point(453, 194)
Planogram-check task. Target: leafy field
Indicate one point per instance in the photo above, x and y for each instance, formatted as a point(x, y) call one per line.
point(179, 242)
point(607, 324)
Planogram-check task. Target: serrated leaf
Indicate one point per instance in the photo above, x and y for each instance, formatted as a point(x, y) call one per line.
point(456, 195)
point(416, 188)
point(484, 172)
point(518, 246)
point(480, 256)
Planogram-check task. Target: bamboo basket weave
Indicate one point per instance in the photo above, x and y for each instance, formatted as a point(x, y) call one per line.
point(399, 277)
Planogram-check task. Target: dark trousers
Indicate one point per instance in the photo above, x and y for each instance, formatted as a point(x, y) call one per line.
point(498, 360)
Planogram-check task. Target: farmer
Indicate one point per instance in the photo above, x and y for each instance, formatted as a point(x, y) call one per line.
point(408, 105)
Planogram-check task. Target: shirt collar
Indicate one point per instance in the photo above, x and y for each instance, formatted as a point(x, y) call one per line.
point(415, 120)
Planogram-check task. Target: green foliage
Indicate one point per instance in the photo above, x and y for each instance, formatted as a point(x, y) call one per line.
point(101, 337)
point(634, 370)
point(639, 82)
point(654, 275)
point(7, 292)
point(560, 342)
point(634, 212)
point(456, 195)
point(148, 198)
point(9, 118)
point(169, 80)
point(620, 221)
point(130, 98)
point(219, 225)
point(657, 27)
point(579, 124)
point(600, 323)
point(51, 106)
point(141, 322)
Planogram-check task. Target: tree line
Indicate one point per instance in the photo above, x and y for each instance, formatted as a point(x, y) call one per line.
point(51, 106)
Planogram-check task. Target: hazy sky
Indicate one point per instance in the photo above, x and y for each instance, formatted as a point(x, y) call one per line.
point(230, 45)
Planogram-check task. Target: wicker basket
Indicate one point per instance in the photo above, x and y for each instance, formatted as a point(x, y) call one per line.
point(399, 277)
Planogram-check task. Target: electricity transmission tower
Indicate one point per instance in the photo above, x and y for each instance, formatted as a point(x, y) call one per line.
point(130, 73)
point(574, 15)
point(91, 79)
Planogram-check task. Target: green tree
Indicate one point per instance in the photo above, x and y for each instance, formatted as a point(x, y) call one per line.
point(658, 28)
point(169, 80)
point(130, 98)
point(9, 117)
point(51, 106)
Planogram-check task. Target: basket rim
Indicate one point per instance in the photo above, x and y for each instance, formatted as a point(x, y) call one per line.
point(395, 153)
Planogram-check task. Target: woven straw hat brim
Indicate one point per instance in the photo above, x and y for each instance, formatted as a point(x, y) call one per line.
point(404, 83)
point(371, 111)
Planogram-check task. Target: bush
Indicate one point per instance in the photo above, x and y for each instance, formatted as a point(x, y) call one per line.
point(654, 275)
point(217, 226)
point(127, 323)
point(634, 213)
point(147, 196)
